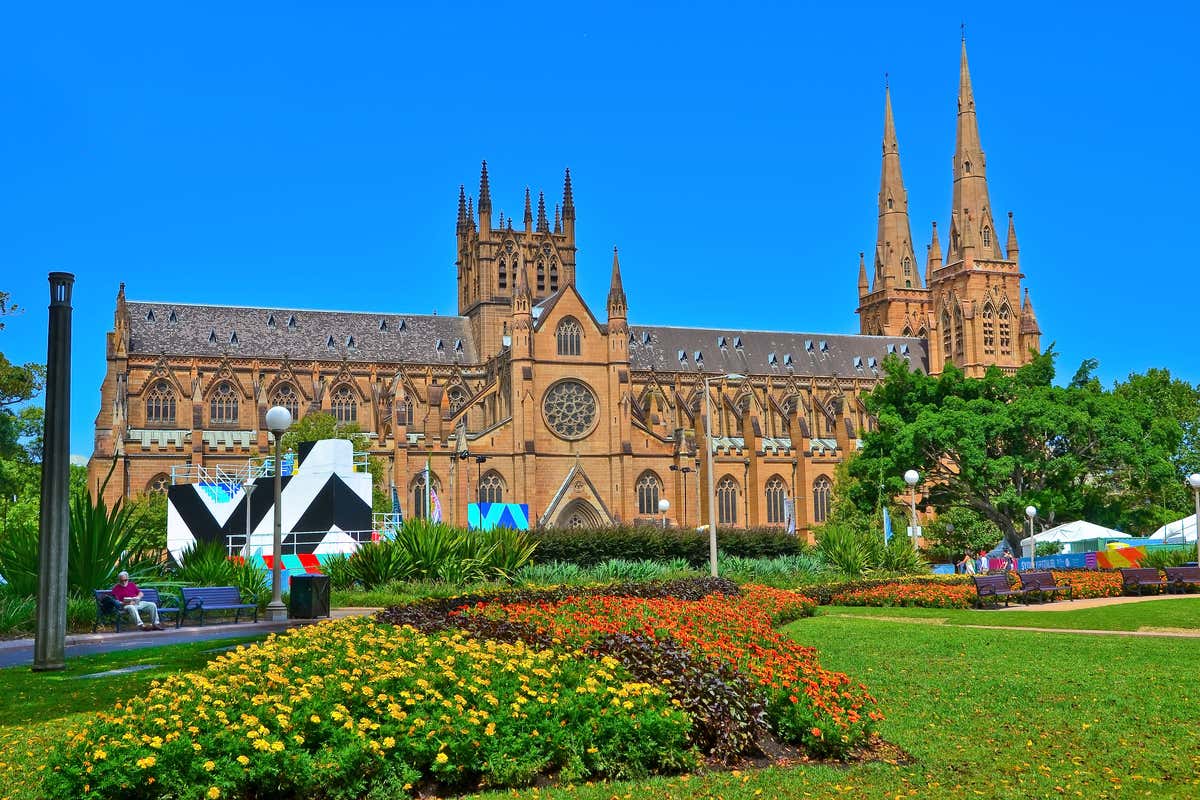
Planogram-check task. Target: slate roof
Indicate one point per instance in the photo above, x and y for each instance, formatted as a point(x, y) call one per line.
point(726, 350)
point(300, 334)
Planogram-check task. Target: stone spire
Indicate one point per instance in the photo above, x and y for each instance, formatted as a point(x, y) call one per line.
point(970, 175)
point(521, 290)
point(933, 259)
point(895, 261)
point(528, 212)
point(568, 204)
point(864, 287)
point(462, 206)
point(542, 225)
point(471, 210)
point(485, 192)
point(1029, 323)
point(557, 219)
point(1011, 248)
point(617, 305)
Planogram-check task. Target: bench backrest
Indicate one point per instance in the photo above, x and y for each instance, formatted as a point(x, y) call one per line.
point(150, 595)
point(1183, 573)
point(212, 595)
point(1138, 574)
point(989, 584)
point(1036, 580)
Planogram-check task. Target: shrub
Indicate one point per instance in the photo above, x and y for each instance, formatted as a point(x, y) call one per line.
point(843, 551)
point(430, 708)
point(1162, 558)
point(337, 567)
point(587, 547)
point(17, 611)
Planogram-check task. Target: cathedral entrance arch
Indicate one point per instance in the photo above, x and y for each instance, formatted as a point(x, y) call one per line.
point(579, 514)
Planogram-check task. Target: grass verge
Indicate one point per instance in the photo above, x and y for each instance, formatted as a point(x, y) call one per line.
point(1181, 613)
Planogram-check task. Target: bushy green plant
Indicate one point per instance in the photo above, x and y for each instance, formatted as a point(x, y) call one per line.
point(377, 563)
point(81, 612)
point(337, 567)
point(900, 557)
point(843, 551)
point(589, 546)
point(1169, 557)
point(778, 571)
point(512, 550)
point(17, 611)
point(252, 581)
point(19, 559)
point(551, 574)
point(103, 542)
point(205, 564)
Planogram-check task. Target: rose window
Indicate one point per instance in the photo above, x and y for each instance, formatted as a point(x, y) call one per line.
point(570, 409)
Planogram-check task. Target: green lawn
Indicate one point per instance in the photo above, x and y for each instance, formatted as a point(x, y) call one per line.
point(1174, 613)
point(983, 713)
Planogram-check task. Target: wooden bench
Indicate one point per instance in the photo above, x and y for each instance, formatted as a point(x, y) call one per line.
point(116, 615)
point(1180, 578)
point(1043, 583)
point(994, 587)
point(214, 598)
point(1140, 578)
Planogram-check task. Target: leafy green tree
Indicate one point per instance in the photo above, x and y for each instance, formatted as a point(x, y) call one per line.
point(320, 425)
point(998, 443)
point(957, 531)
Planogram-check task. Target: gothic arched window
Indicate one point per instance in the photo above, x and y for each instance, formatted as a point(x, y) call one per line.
point(1005, 330)
point(223, 405)
point(344, 404)
point(967, 167)
point(822, 491)
point(776, 492)
point(287, 396)
point(958, 331)
point(404, 412)
point(420, 495)
point(648, 489)
point(491, 488)
point(456, 398)
point(503, 274)
point(946, 334)
point(989, 329)
point(987, 236)
point(158, 484)
point(907, 267)
point(727, 501)
point(541, 276)
point(160, 404)
point(569, 336)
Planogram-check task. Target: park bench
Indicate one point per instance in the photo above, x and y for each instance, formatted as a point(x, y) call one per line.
point(106, 612)
point(995, 587)
point(213, 598)
point(1140, 578)
point(1180, 578)
point(1043, 583)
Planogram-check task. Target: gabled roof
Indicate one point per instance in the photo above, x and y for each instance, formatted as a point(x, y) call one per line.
point(727, 350)
point(300, 334)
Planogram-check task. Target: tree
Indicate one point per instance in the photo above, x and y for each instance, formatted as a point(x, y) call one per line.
point(957, 531)
point(1004, 441)
point(320, 425)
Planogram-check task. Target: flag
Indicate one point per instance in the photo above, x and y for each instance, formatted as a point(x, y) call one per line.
point(789, 513)
point(887, 526)
point(397, 515)
point(428, 490)
point(435, 512)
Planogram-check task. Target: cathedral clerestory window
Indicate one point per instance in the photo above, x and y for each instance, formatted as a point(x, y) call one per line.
point(223, 405)
point(569, 337)
point(160, 404)
point(344, 405)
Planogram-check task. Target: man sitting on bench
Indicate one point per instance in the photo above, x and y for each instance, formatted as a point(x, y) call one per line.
point(130, 597)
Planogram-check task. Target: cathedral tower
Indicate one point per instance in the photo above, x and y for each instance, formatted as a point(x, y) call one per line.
point(491, 256)
point(977, 316)
point(892, 302)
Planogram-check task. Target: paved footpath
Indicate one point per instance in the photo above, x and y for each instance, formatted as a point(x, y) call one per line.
point(18, 652)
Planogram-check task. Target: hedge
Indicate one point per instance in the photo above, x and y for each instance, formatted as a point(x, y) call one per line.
point(590, 546)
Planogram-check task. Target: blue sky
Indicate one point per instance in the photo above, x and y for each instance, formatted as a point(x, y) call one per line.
point(310, 155)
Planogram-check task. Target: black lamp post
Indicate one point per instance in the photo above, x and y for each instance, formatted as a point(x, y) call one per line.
point(684, 471)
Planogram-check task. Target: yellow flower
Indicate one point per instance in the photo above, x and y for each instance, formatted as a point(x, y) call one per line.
point(209, 766)
point(213, 793)
point(99, 755)
point(314, 719)
point(243, 760)
point(442, 758)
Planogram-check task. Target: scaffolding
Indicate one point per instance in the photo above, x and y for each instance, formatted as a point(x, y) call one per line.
point(224, 482)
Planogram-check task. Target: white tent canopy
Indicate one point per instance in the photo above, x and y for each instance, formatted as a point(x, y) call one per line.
point(1181, 531)
point(1078, 531)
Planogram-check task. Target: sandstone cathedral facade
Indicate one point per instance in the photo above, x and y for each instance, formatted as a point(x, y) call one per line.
point(529, 396)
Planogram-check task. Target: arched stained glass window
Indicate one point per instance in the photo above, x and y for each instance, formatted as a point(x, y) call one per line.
point(822, 493)
point(727, 501)
point(491, 488)
point(223, 405)
point(158, 484)
point(344, 404)
point(989, 329)
point(959, 347)
point(775, 494)
point(947, 333)
point(1005, 330)
point(569, 337)
point(420, 495)
point(287, 396)
point(648, 489)
point(160, 404)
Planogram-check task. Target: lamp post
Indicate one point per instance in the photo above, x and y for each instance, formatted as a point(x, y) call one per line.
point(279, 419)
point(912, 478)
point(712, 492)
point(684, 471)
point(664, 506)
point(1031, 512)
point(1194, 482)
point(249, 487)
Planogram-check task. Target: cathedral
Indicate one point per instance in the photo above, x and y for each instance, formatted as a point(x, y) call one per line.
point(530, 396)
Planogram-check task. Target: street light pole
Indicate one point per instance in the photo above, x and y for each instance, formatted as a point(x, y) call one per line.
point(912, 478)
point(712, 493)
point(279, 419)
point(1193, 481)
point(249, 488)
point(664, 505)
point(1031, 512)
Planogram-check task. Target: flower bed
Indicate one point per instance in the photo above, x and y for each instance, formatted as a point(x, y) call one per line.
point(925, 595)
point(1091, 582)
point(822, 711)
point(823, 593)
point(339, 708)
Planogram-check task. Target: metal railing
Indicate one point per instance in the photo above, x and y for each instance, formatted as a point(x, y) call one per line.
point(227, 479)
point(293, 543)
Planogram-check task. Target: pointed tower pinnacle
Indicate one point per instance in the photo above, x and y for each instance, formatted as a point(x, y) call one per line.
point(522, 287)
point(568, 198)
point(557, 219)
point(485, 192)
point(542, 225)
point(1010, 247)
point(864, 287)
point(1029, 323)
point(895, 260)
point(528, 212)
point(617, 306)
point(462, 206)
point(970, 173)
point(933, 259)
point(471, 210)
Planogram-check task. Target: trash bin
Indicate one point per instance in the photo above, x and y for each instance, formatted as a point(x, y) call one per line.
point(309, 596)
